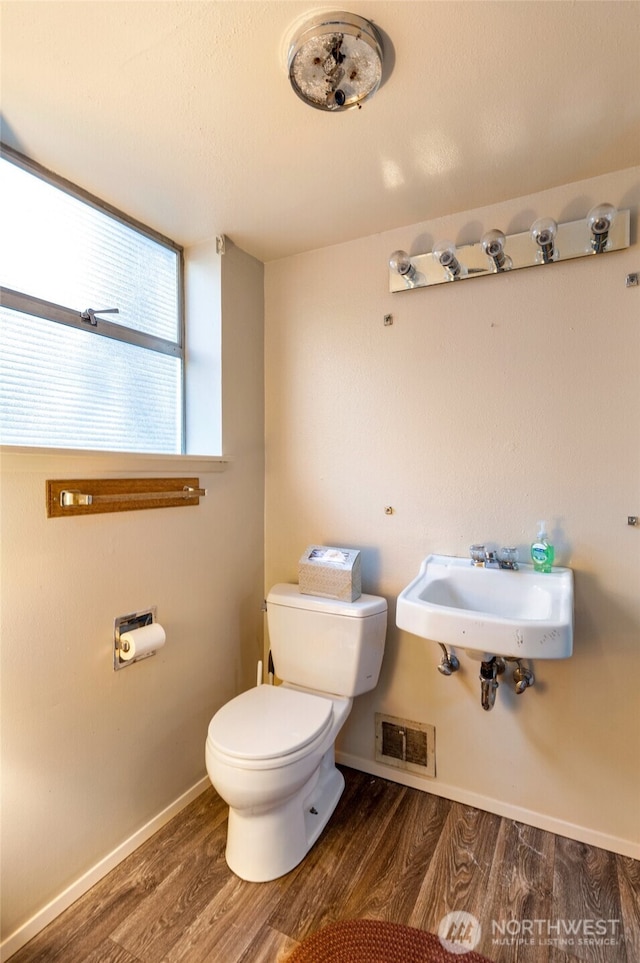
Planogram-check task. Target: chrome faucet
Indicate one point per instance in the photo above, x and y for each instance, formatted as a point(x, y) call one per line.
point(506, 558)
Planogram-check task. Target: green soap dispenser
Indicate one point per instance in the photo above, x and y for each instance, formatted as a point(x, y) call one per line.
point(542, 551)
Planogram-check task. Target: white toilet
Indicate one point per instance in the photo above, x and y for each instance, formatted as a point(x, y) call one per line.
point(270, 751)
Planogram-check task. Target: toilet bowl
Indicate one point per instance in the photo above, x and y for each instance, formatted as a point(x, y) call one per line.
point(270, 751)
point(282, 792)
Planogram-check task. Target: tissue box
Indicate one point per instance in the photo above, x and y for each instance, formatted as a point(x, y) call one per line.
point(333, 573)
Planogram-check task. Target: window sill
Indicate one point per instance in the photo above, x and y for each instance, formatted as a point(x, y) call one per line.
point(66, 460)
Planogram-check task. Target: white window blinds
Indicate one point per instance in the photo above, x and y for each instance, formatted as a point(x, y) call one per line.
point(104, 382)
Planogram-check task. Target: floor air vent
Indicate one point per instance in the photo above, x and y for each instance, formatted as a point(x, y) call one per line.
point(406, 745)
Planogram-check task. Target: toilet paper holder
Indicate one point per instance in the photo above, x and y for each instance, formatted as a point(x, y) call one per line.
point(128, 623)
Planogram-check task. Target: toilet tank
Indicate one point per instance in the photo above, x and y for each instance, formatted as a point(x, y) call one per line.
point(324, 644)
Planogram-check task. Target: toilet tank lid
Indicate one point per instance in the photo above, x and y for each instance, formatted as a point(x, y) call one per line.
point(290, 595)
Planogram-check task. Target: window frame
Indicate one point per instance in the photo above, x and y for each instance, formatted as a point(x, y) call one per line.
point(49, 311)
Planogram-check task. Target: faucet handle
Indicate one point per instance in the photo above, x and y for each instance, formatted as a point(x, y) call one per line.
point(478, 554)
point(508, 558)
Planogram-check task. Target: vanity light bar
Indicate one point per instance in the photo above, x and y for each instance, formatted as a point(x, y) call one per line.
point(604, 229)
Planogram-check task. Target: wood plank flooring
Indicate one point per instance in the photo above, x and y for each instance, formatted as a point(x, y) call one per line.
point(389, 852)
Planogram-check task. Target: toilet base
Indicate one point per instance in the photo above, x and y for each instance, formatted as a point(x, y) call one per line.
point(263, 846)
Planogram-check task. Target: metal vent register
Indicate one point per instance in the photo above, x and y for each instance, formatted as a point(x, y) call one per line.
point(406, 745)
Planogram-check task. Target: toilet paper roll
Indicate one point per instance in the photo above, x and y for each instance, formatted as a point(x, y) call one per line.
point(143, 641)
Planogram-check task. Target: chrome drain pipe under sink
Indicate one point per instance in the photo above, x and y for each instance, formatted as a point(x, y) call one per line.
point(491, 669)
point(488, 681)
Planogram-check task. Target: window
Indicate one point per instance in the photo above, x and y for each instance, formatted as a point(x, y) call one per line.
point(91, 331)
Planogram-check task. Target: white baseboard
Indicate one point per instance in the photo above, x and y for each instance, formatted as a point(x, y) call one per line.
point(582, 834)
point(43, 917)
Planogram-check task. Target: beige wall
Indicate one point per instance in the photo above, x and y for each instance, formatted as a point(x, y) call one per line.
point(90, 755)
point(485, 406)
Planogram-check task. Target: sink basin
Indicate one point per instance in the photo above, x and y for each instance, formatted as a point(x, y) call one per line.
point(524, 613)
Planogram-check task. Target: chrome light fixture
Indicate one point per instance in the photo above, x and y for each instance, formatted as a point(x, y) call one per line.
point(493, 243)
point(445, 253)
point(605, 230)
point(600, 219)
point(334, 61)
point(400, 262)
point(543, 233)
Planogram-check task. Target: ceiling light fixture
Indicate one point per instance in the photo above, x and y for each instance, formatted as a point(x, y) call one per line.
point(335, 61)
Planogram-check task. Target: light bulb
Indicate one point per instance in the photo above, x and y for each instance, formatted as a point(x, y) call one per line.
point(401, 263)
point(543, 233)
point(600, 219)
point(493, 246)
point(445, 253)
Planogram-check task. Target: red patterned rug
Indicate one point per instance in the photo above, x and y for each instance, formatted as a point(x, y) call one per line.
point(374, 941)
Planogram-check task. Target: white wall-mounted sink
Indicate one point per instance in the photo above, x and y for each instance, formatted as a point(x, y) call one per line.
point(523, 614)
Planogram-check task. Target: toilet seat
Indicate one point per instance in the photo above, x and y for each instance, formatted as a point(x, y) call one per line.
point(269, 722)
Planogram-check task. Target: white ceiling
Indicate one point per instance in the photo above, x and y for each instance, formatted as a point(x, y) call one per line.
point(181, 114)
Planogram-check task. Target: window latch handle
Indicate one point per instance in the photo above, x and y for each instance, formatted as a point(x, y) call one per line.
point(90, 314)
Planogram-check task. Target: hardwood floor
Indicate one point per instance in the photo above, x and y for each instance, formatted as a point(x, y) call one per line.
point(389, 852)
